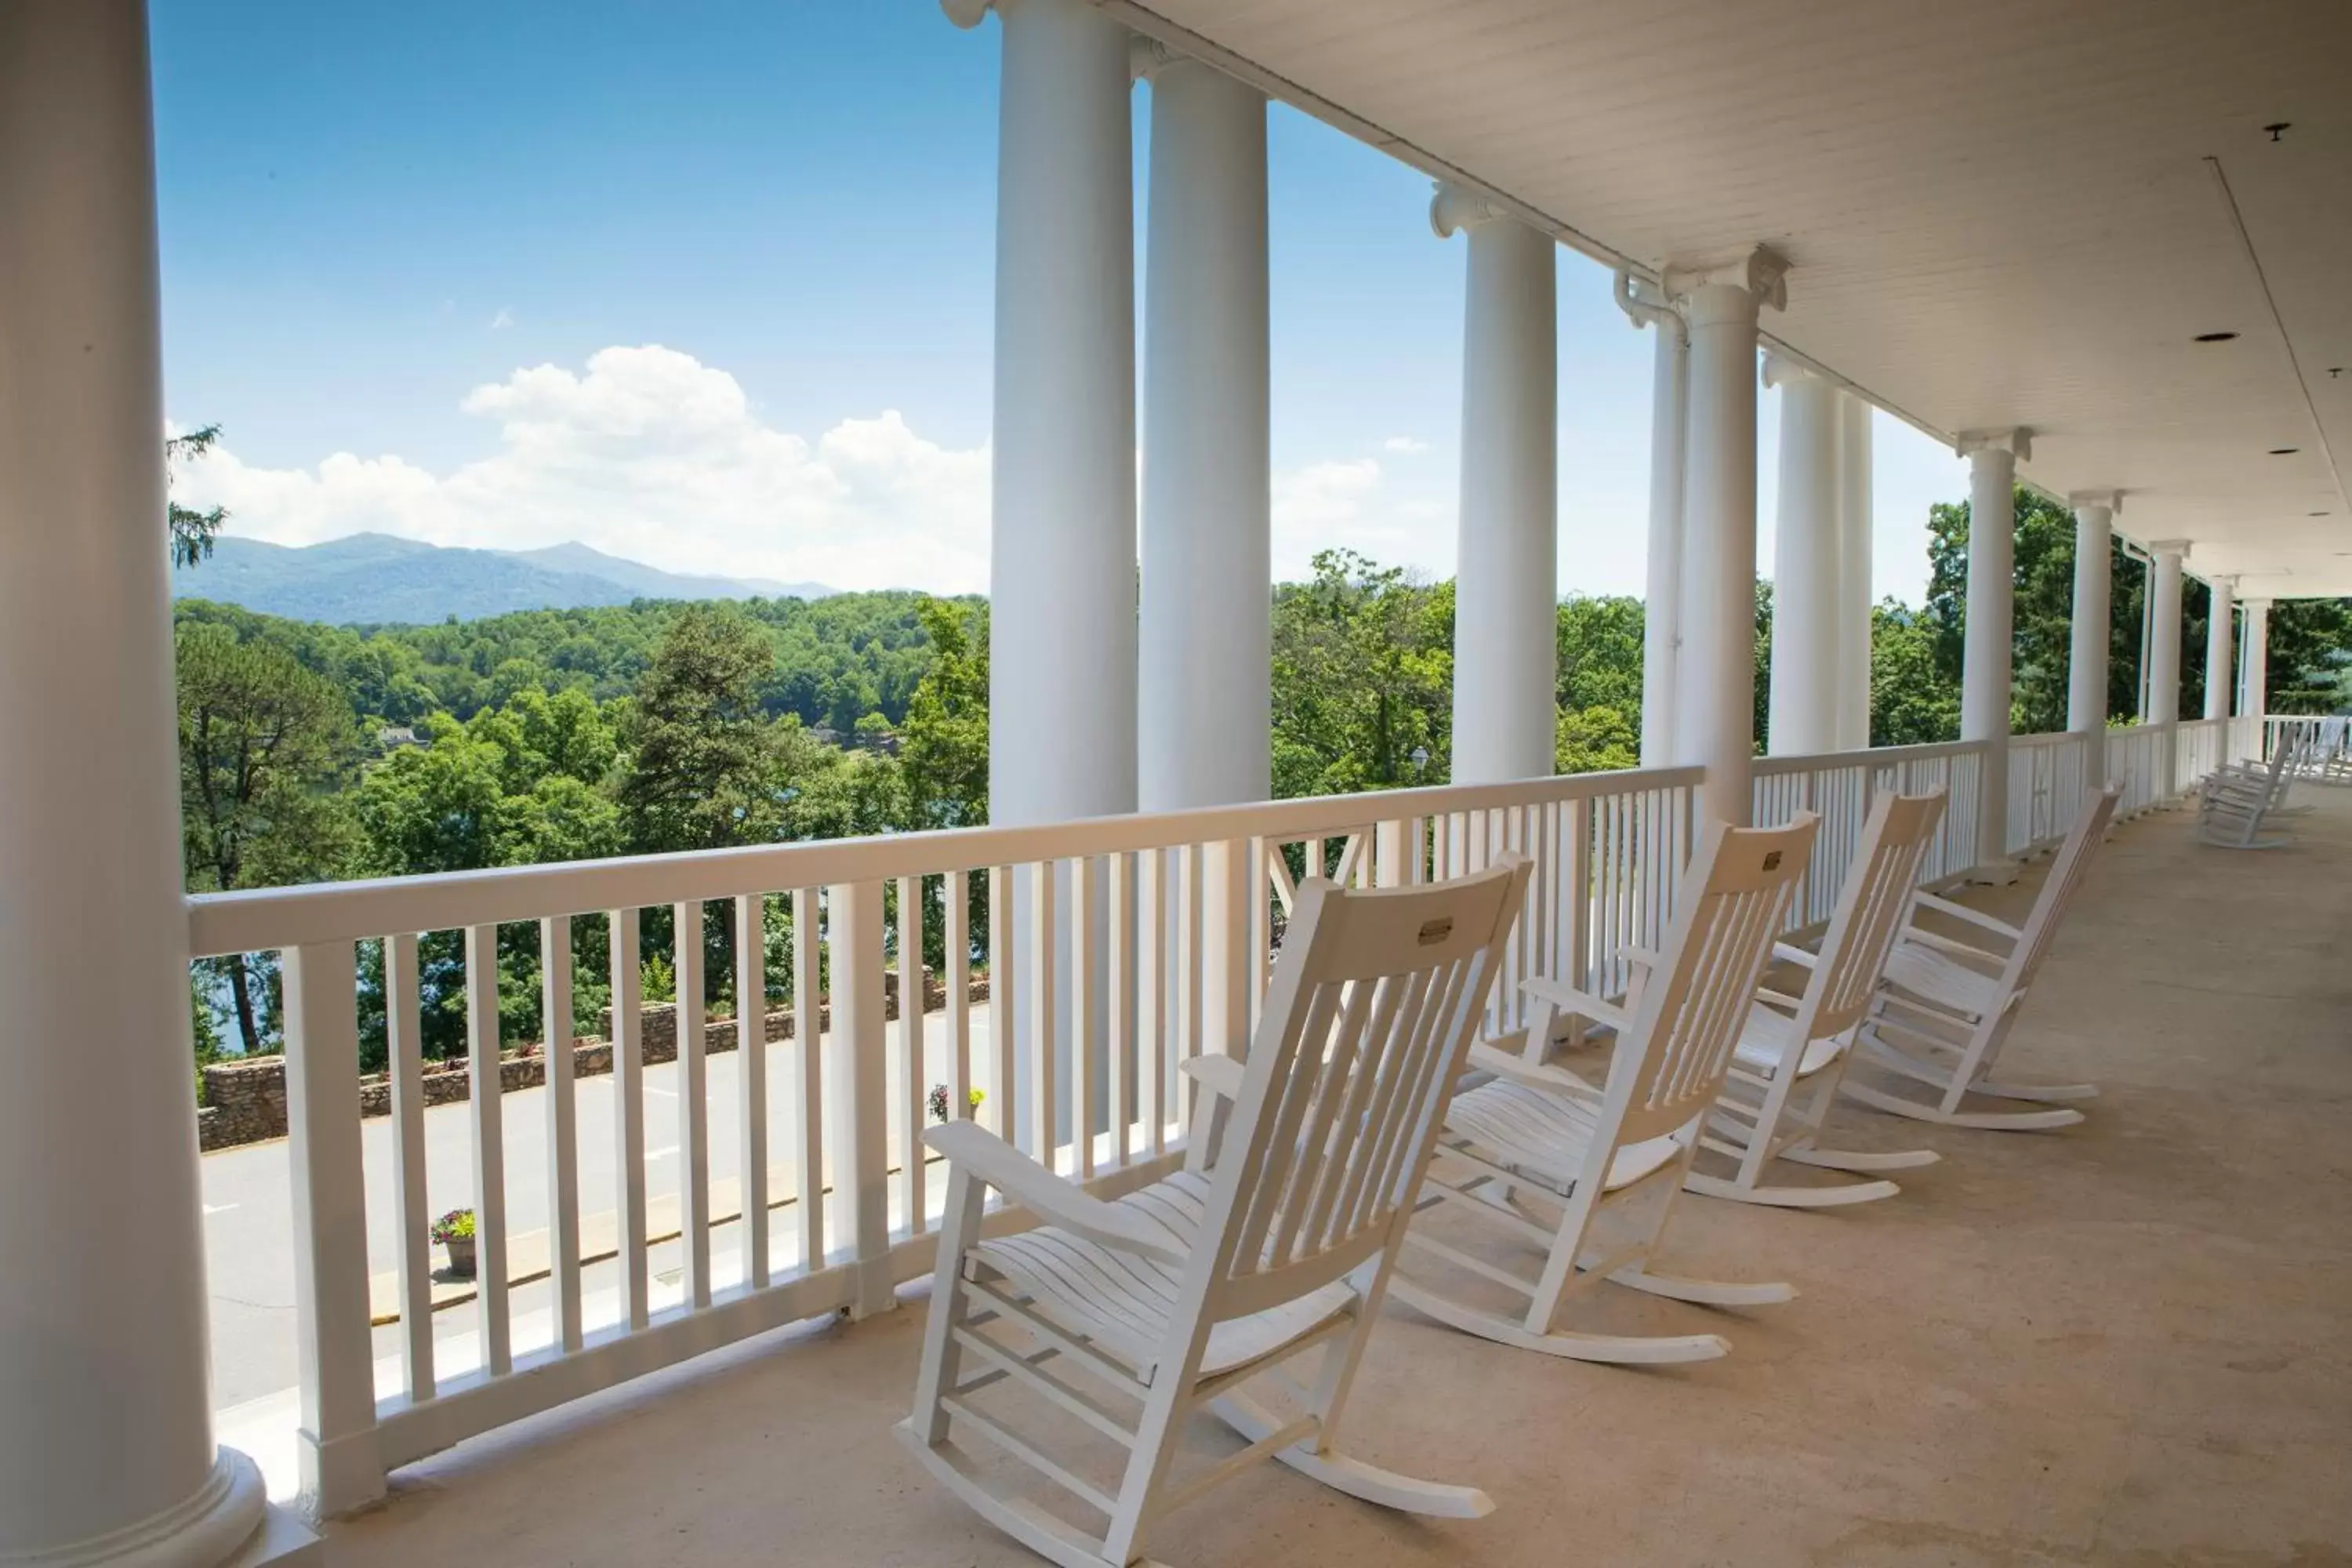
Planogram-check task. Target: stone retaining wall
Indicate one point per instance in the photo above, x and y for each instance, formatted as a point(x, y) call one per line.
point(246, 1100)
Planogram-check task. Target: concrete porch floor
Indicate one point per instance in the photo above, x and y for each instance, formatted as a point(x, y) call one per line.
point(2129, 1343)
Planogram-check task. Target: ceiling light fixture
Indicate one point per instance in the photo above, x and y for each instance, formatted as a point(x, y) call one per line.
point(2215, 337)
point(2284, 451)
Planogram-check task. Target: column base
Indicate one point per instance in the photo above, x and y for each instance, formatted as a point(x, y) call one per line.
point(227, 1523)
point(1999, 873)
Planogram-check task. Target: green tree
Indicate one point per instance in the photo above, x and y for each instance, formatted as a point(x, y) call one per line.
point(701, 768)
point(943, 745)
point(190, 532)
point(265, 746)
point(1363, 665)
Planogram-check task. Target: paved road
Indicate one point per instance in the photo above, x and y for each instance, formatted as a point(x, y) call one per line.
point(249, 1223)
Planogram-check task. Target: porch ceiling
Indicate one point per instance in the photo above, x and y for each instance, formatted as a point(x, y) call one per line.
point(2005, 213)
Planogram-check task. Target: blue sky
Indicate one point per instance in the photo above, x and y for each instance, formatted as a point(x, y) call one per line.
point(709, 285)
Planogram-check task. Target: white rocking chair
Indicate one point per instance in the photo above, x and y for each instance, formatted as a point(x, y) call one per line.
point(1792, 1050)
point(2234, 802)
point(1537, 1135)
point(1946, 1005)
point(1281, 1241)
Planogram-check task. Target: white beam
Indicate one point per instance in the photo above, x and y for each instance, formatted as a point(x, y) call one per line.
point(1715, 701)
point(2164, 652)
point(1662, 601)
point(1854, 564)
point(1505, 637)
point(1203, 736)
point(1808, 620)
point(2221, 628)
point(106, 1441)
point(1993, 457)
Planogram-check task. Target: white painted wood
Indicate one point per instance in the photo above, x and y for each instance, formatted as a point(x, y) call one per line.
point(563, 1127)
point(1539, 1155)
point(856, 1070)
point(693, 1103)
point(1151, 1065)
point(1120, 1049)
point(336, 1357)
point(752, 1057)
point(911, 1088)
point(956, 927)
point(629, 1114)
point(808, 1013)
point(487, 1103)
point(1791, 1052)
point(1946, 1003)
point(1041, 936)
point(1181, 1290)
point(1003, 991)
point(1084, 922)
point(412, 1215)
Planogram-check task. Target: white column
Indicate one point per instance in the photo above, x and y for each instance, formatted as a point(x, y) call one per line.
point(1715, 702)
point(1855, 555)
point(2220, 628)
point(106, 1441)
point(1662, 601)
point(2086, 674)
point(1994, 458)
point(2164, 652)
point(1203, 736)
point(1807, 622)
point(1506, 637)
point(2254, 686)
point(1061, 560)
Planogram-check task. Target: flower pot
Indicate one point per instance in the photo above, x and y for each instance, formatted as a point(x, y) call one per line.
point(461, 1257)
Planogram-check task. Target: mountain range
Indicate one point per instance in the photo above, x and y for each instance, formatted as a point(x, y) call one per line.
point(377, 579)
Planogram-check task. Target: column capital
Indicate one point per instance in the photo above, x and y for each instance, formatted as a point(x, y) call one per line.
point(2252, 605)
point(1457, 208)
point(1146, 57)
point(2177, 548)
point(1759, 270)
point(2018, 441)
point(1782, 369)
point(966, 13)
point(2108, 500)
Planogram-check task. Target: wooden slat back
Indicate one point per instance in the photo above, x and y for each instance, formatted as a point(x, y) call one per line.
point(1725, 915)
point(1376, 996)
point(2067, 870)
point(1870, 910)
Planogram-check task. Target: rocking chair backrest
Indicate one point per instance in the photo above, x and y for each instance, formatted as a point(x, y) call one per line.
point(2058, 890)
point(1726, 911)
point(1376, 997)
point(1870, 910)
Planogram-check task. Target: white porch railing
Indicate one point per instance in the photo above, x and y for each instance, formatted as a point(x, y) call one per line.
point(2324, 741)
point(2048, 776)
point(1156, 932)
point(1164, 926)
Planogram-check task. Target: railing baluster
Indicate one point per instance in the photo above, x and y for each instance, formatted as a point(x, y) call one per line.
point(1151, 995)
point(491, 1263)
point(413, 1217)
point(335, 1443)
point(629, 1115)
point(1084, 1039)
point(808, 1028)
point(910, 1052)
point(751, 1058)
point(1043, 982)
point(1186, 980)
point(857, 1066)
point(955, 932)
point(562, 1127)
point(693, 1103)
point(1004, 1041)
point(1120, 1046)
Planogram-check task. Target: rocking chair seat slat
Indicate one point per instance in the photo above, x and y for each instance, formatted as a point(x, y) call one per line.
point(1126, 1301)
point(1922, 970)
point(1764, 1044)
point(1547, 1135)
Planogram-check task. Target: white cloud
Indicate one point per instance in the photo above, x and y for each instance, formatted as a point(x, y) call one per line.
point(653, 455)
point(1407, 446)
point(1350, 504)
point(505, 318)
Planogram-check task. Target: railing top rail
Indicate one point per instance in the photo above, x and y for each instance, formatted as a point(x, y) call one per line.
point(268, 919)
point(1876, 756)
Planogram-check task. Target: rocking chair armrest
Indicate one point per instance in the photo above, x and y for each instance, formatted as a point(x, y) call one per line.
point(1647, 957)
point(1055, 1199)
point(1952, 946)
point(1485, 1057)
point(1580, 1003)
point(1220, 1075)
point(1974, 917)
